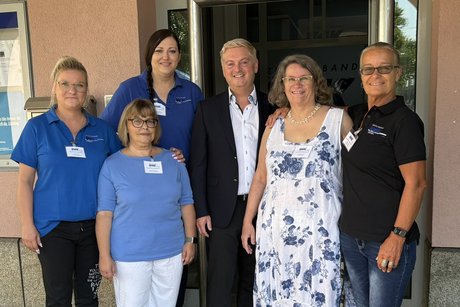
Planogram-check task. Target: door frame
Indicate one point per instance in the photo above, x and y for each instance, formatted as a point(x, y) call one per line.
point(380, 29)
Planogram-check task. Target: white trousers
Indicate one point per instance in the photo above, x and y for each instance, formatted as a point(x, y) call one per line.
point(148, 283)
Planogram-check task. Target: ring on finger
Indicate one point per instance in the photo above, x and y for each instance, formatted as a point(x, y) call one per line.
point(390, 264)
point(384, 262)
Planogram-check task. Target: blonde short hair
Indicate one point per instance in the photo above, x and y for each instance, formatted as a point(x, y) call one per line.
point(137, 107)
point(238, 43)
point(66, 63)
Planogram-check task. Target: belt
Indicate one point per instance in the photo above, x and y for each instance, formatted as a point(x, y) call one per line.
point(243, 197)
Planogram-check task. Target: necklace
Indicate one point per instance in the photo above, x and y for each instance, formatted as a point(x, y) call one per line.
point(307, 118)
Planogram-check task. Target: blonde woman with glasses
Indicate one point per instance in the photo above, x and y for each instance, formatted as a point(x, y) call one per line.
point(64, 149)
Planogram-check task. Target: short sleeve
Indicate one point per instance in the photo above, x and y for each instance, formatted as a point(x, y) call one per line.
point(106, 190)
point(186, 190)
point(409, 144)
point(26, 149)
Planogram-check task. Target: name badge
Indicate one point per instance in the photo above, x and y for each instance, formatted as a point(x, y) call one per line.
point(153, 167)
point(75, 152)
point(302, 152)
point(160, 109)
point(349, 140)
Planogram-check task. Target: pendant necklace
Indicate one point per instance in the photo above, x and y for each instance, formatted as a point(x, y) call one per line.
point(307, 118)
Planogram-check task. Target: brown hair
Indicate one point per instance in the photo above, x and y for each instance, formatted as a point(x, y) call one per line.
point(323, 93)
point(137, 107)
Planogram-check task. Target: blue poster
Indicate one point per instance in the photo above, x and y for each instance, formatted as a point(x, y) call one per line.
point(11, 120)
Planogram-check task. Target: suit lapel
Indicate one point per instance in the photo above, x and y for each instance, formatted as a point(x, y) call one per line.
point(224, 111)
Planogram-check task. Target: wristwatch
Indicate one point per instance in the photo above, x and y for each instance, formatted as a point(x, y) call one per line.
point(193, 240)
point(400, 232)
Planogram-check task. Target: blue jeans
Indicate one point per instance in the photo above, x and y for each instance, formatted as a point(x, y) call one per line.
point(371, 286)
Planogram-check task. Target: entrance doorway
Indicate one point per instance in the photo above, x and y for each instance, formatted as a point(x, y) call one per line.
point(333, 32)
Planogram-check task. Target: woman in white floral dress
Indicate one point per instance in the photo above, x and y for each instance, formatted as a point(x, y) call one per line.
point(297, 192)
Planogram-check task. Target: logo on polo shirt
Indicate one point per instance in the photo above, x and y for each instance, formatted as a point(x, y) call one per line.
point(376, 130)
point(93, 138)
point(182, 100)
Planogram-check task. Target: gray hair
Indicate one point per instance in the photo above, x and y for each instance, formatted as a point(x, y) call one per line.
point(381, 45)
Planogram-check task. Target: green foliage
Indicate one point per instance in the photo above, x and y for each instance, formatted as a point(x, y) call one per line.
point(178, 23)
point(407, 48)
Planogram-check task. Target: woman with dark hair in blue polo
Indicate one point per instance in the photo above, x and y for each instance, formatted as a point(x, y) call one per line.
point(175, 98)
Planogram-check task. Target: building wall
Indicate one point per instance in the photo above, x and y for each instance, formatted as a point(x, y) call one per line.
point(109, 38)
point(444, 256)
point(446, 95)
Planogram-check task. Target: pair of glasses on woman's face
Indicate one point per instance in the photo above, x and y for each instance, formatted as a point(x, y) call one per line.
point(383, 70)
point(139, 123)
point(293, 80)
point(66, 86)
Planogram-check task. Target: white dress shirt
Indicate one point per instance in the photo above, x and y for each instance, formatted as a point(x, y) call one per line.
point(245, 125)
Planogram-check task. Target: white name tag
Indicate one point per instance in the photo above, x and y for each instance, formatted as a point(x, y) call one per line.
point(349, 140)
point(302, 152)
point(75, 152)
point(153, 167)
point(160, 109)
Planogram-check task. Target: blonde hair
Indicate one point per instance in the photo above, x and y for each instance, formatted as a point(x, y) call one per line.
point(137, 107)
point(238, 43)
point(323, 93)
point(66, 63)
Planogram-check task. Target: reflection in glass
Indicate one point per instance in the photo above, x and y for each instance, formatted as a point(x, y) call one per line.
point(309, 19)
point(178, 23)
point(405, 41)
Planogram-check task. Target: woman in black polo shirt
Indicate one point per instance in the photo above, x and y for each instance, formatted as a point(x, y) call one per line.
point(384, 180)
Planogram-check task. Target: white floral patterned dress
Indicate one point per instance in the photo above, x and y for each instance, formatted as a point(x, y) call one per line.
point(298, 249)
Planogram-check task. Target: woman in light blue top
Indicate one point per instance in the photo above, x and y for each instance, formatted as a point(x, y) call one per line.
point(145, 204)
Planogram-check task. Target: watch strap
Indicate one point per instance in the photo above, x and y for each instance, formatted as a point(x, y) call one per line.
point(400, 232)
point(193, 240)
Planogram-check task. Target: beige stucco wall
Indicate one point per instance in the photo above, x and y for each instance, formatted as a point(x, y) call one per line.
point(107, 36)
point(446, 93)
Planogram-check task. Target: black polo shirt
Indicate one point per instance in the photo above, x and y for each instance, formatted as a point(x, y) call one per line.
point(390, 135)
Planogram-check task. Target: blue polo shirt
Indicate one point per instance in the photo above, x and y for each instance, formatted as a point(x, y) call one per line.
point(180, 106)
point(66, 187)
point(146, 207)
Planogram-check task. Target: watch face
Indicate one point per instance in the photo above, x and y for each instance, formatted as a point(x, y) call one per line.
point(400, 232)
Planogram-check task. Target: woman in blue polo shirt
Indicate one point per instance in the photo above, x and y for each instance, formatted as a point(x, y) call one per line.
point(64, 149)
point(175, 98)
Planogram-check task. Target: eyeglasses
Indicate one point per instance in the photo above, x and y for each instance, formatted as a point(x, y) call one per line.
point(292, 80)
point(139, 123)
point(66, 86)
point(383, 70)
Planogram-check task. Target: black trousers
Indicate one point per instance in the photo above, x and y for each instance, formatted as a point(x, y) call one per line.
point(69, 260)
point(228, 260)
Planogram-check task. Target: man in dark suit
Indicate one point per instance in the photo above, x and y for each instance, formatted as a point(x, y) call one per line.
point(225, 141)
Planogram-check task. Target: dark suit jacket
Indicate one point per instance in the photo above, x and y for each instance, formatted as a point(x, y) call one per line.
point(213, 161)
